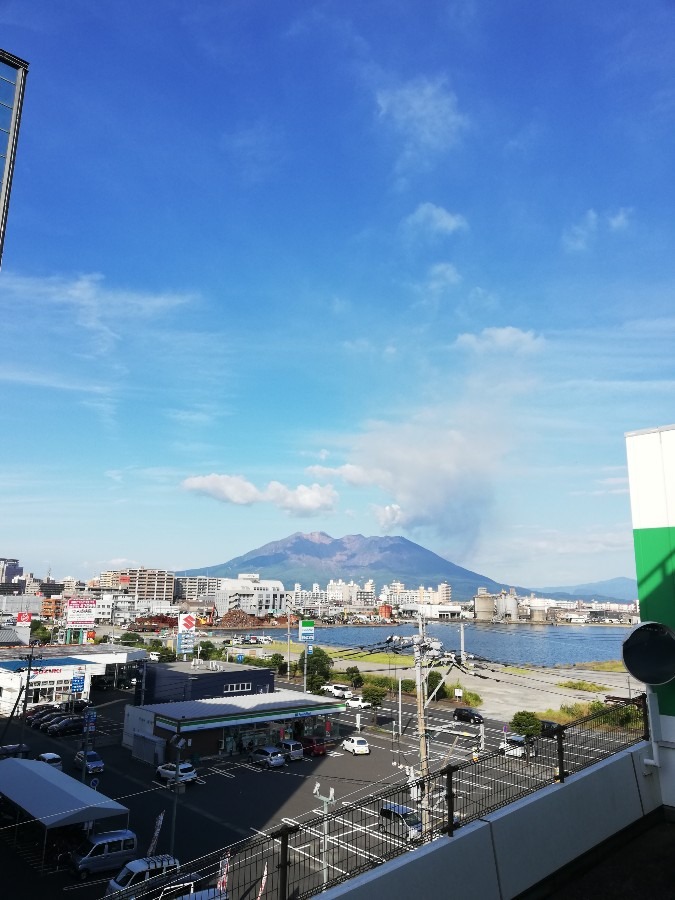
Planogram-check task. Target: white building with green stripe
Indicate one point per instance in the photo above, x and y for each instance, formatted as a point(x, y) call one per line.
point(651, 476)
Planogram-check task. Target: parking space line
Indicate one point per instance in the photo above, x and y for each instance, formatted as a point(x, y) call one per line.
point(224, 772)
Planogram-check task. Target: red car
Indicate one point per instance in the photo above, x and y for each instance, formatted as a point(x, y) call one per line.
point(313, 746)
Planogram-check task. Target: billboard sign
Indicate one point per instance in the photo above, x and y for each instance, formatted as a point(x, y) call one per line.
point(186, 622)
point(81, 612)
point(23, 618)
point(306, 630)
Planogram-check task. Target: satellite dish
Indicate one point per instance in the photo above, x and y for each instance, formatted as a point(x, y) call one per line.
point(649, 653)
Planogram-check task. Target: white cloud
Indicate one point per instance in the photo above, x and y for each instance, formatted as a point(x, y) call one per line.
point(303, 500)
point(98, 310)
point(441, 277)
point(432, 475)
point(424, 112)
point(258, 150)
point(621, 219)
point(509, 339)
point(430, 220)
point(578, 238)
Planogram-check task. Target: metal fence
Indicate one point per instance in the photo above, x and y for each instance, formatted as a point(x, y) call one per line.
point(301, 860)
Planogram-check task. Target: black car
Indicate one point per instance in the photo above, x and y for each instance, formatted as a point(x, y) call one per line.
point(42, 710)
point(549, 728)
point(44, 723)
point(75, 706)
point(72, 725)
point(36, 721)
point(467, 714)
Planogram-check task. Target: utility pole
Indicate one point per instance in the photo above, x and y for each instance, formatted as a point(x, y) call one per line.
point(420, 681)
point(288, 642)
point(178, 743)
point(29, 659)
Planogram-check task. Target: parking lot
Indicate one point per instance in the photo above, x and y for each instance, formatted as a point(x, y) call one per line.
point(234, 800)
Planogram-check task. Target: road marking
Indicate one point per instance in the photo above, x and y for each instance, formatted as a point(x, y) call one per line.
point(223, 772)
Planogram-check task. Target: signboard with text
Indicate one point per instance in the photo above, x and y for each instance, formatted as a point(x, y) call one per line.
point(81, 612)
point(306, 630)
point(23, 618)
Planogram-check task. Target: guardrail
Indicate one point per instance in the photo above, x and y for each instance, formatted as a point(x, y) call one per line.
point(300, 860)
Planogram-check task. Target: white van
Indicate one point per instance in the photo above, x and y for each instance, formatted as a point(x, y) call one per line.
point(103, 852)
point(138, 871)
point(153, 656)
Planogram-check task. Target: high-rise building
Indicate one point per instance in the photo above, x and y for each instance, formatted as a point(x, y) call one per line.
point(12, 84)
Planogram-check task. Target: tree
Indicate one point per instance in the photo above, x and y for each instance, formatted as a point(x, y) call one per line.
point(278, 662)
point(434, 678)
point(318, 663)
point(354, 676)
point(375, 696)
point(527, 724)
point(131, 637)
point(208, 650)
point(39, 632)
point(315, 682)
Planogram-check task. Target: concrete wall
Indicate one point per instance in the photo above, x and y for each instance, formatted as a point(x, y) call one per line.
point(498, 857)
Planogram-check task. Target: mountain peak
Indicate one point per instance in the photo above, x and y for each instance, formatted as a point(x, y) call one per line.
point(317, 558)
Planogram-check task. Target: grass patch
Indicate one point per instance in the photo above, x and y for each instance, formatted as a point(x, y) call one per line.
point(588, 686)
point(608, 665)
point(384, 658)
point(514, 670)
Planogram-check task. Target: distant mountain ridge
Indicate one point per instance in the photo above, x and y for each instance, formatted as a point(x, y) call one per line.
point(624, 589)
point(316, 558)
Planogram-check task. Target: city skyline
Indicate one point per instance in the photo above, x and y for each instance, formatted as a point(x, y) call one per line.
point(327, 267)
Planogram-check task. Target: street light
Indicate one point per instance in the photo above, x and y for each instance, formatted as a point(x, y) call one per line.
point(329, 800)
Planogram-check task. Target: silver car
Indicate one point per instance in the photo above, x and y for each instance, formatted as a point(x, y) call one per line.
point(291, 749)
point(271, 757)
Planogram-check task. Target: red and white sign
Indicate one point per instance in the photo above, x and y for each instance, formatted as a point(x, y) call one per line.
point(186, 622)
point(23, 618)
point(81, 612)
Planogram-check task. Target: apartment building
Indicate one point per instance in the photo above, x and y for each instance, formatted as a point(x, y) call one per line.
point(145, 584)
point(252, 595)
point(53, 608)
point(190, 587)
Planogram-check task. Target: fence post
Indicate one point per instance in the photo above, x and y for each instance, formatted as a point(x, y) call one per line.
point(283, 834)
point(560, 739)
point(645, 717)
point(450, 798)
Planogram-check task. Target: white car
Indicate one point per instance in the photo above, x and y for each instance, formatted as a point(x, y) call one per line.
point(167, 772)
point(358, 703)
point(356, 745)
point(341, 691)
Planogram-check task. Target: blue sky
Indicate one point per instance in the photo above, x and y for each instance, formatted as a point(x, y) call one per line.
point(376, 268)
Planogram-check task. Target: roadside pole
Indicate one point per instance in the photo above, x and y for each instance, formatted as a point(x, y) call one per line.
point(29, 658)
point(421, 724)
point(329, 800)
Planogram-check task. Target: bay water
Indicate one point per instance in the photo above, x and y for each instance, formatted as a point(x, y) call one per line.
point(538, 645)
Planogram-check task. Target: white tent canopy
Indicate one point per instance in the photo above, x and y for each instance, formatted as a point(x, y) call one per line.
point(51, 797)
